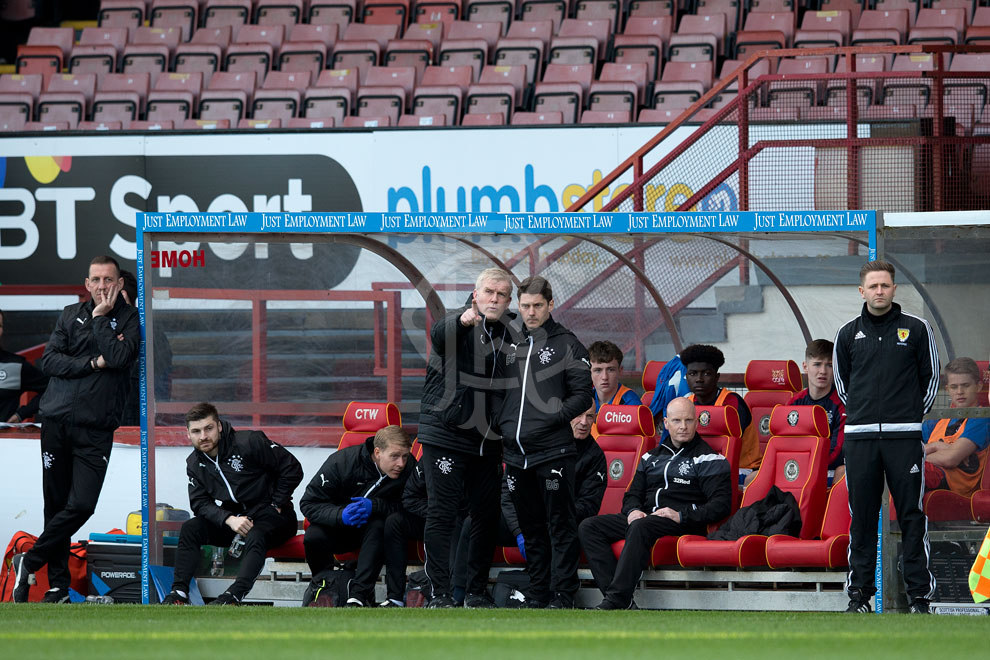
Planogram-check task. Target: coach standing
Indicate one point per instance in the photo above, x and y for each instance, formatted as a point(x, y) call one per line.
point(886, 372)
point(461, 451)
point(89, 359)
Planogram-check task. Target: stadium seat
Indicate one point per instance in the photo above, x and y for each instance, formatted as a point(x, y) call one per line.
point(16, 110)
point(437, 11)
point(650, 374)
point(278, 104)
point(62, 108)
point(525, 44)
point(254, 48)
point(47, 126)
point(490, 119)
point(911, 6)
point(682, 83)
point(365, 122)
point(278, 12)
point(387, 91)
point(938, 26)
point(554, 11)
point(972, 90)
point(720, 428)
point(491, 98)
point(172, 107)
point(729, 8)
point(644, 40)
point(227, 13)
point(795, 462)
point(854, 7)
point(307, 48)
point(206, 124)
point(121, 97)
point(180, 82)
point(797, 93)
point(46, 51)
point(537, 118)
point(507, 75)
point(564, 89)
point(168, 37)
point(581, 41)
point(597, 9)
point(866, 89)
point(881, 27)
point(362, 419)
point(768, 383)
point(78, 83)
point(17, 83)
point(650, 8)
point(419, 121)
point(417, 53)
point(605, 117)
point(98, 50)
point(490, 11)
point(824, 29)
point(332, 12)
point(620, 87)
point(204, 52)
point(182, 14)
point(312, 123)
point(442, 91)
point(909, 91)
point(229, 96)
point(764, 30)
point(121, 13)
point(624, 432)
point(145, 125)
point(979, 30)
point(259, 123)
point(101, 125)
point(469, 44)
point(152, 59)
point(357, 54)
point(826, 551)
point(700, 38)
point(333, 95)
point(386, 12)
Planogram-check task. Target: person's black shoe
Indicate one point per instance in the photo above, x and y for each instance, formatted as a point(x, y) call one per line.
point(226, 598)
point(22, 579)
point(859, 604)
point(919, 606)
point(480, 601)
point(56, 595)
point(606, 604)
point(561, 602)
point(388, 602)
point(175, 598)
point(354, 602)
point(441, 601)
point(533, 604)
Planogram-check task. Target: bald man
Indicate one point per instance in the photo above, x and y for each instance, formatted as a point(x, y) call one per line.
point(679, 488)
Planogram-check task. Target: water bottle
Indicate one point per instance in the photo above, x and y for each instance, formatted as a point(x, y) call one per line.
point(216, 565)
point(236, 547)
point(99, 600)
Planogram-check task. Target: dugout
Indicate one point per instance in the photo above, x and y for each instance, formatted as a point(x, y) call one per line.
point(285, 343)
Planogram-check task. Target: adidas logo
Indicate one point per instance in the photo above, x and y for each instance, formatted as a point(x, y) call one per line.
point(914, 469)
point(860, 335)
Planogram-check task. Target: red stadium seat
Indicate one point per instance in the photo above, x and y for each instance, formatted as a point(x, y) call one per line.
point(62, 108)
point(386, 91)
point(229, 96)
point(729, 8)
point(877, 27)
point(442, 91)
point(229, 13)
point(765, 30)
point(554, 11)
point(46, 51)
point(121, 97)
point(537, 118)
point(307, 48)
point(490, 11)
point(682, 83)
point(145, 125)
point(180, 82)
point(98, 50)
point(74, 83)
point(619, 87)
point(365, 122)
point(581, 41)
point(259, 123)
point(152, 59)
point(420, 121)
point(824, 29)
point(47, 126)
point(768, 383)
point(206, 124)
point(311, 123)
point(866, 90)
point(795, 462)
point(564, 89)
point(828, 550)
point(278, 12)
point(778, 6)
point(651, 8)
point(911, 6)
point(606, 117)
point(644, 40)
point(623, 434)
point(172, 107)
point(168, 37)
point(204, 52)
point(16, 110)
point(490, 119)
point(854, 7)
point(650, 374)
point(362, 419)
point(332, 12)
point(437, 11)
point(594, 9)
point(121, 13)
point(101, 125)
point(278, 104)
point(797, 93)
point(386, 12)
point(525, 44)
point(489, 98)
point(333, 88)
point(16, 83)
point(182, 14)
point(699, 38)
point(720, 428)
point(938, 26)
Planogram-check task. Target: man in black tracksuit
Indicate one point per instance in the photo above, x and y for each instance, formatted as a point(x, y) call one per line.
point(347, 503)
point(17, 376)
point(547, 384)
point(240, 483)
point(88, 360)
point(886, 373)
point(461, 450)
point(680, 487)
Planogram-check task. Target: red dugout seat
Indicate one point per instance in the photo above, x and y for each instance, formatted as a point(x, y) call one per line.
point(828, 550)
point(362, 419)
point(719, 426)
point(623, 433)
point(769, 382)
point(795, 462)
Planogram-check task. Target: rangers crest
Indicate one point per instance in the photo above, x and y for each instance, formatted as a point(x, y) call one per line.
point(684, 468)
point(545, 354)
point(47, 459)
point(510, 483)
point(445, 465)
point(236, 463)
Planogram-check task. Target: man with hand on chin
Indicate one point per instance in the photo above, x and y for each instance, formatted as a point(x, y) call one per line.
point(88, 359)
point(684, 484)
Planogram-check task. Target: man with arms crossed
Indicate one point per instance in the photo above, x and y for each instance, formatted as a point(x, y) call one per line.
point(886, 372)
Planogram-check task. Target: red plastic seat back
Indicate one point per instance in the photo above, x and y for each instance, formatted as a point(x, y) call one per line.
point(650, 373)
point(796, 462)
point(773, 375)
point(362, 419)
point(721, 429)
point(837, 519)
point(623, 434)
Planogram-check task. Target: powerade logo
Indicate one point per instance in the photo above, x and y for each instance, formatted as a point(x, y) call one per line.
point(431, 197)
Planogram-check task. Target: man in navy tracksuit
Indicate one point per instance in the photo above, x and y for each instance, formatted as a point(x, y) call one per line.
point(461, 448)
point(240, 482)
point(88, 360)
point(547, 384)
point(679, 488)
point(886, 373)
point(347, 503)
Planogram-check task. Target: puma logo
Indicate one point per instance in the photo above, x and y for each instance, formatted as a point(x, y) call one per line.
point(323, 480)
point(559, 473)
point(600, 475)
point(273, 445)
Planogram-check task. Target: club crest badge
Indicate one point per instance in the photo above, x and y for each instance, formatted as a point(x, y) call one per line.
point(3, 375)
point(545, 354)
point(705, 418)
point(510, 355)
point(615, 469)
point(765, 425)
point(903, 334)
point(684, 468)
point(236, 463)
point(445, 465)
point(793, 417)
point(791, 470)
point(48, 459)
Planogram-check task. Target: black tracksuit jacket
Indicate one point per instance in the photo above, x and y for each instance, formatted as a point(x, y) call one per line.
point(547, 384)
point(693, 480)
point(348, 473)
point(19, 376)
point(886, 373)
point(76, 395)
point(465, 364)
point(250, 472)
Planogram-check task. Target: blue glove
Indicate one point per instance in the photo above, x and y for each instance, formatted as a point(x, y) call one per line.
point(352, 515)
point(521, 544)
point(364, 504)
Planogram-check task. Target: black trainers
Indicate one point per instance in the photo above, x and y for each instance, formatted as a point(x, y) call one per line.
point(442, 601)
point(388, 602)
point(561, 601)
point(56, 595)
point(859, 604)
point(22, 579)
point(175, 598)
point(606, 604)
point(919, 606)
point(480, 601)
point(354, 602)
point(226, 598)
point(533, 604)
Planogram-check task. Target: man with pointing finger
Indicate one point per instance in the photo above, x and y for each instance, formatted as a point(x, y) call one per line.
point(88, 360)
point(679, 488)
point(461, 449)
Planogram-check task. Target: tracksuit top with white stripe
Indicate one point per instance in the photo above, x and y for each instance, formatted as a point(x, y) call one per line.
point(886, 373)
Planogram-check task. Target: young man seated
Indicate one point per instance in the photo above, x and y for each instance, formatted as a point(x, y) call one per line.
point(956, 449)
point(679, 488)
point(347, 503)
point(240, 483)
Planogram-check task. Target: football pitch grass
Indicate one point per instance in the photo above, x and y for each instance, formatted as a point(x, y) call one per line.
point(132, 631)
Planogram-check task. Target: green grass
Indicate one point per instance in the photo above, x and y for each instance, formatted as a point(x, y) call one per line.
point(132, 631)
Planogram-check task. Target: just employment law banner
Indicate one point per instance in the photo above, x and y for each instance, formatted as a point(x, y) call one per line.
point(511, 223)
